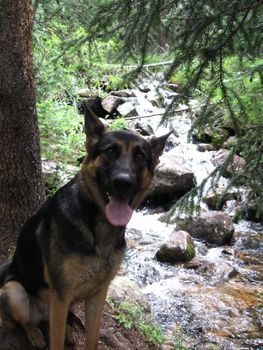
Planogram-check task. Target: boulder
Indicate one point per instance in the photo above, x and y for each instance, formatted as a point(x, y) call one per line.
point(171, 179)
point(178, 248)
point(212, 227)
point(110, 103)
point(123, 289)
point(127, 109)
point(238, 164)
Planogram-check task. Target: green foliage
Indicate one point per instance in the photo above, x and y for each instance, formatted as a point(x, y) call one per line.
point(119, 124)
point(130, 316)
point(61, 129)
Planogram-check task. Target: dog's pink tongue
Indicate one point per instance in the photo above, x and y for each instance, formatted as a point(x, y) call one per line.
point(118, 212)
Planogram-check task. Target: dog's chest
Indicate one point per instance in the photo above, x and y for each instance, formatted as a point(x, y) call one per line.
point(86, 275)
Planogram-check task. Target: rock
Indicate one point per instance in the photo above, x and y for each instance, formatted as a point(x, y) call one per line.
point(179, 248)
point(212, 227)
point(171, 179)
point(144, 87)
point(216, 135)
point(123, 289)
point(230, 142)
point(173, 87)
point(154, 98)
point(110, 103)
point(216, 199)
point(203, 136)
point(123, 93)
point(253, 212)
point(84, 92)
point(203, 147)
point(238, 164)
point(127, 109)
point(144, 128)
point(171, 142)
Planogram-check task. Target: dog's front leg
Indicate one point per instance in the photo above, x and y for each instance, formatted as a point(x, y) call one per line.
point(58, 319)
point(93, 310)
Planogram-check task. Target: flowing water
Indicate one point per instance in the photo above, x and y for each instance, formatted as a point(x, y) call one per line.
point(213, 302)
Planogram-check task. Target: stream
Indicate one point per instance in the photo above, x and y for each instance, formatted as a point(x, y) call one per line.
point(213, 301)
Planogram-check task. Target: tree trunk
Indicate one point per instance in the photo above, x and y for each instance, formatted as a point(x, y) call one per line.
point(21, 187)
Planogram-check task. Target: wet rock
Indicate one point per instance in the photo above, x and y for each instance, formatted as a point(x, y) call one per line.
point(238, 164)
point(154, 98)
point(110, 103)
point(204, 147)
point(253, 212)
point(123, 289)
point(171, 179)
point(248, 241)
point(212, 227)
point(127, 109)
point(217, 136)
point(224, 272)
point(144, 87)
point(123, 93)
point(178, 248)
point(216, 199)
point(171, 142)
point(144, 128)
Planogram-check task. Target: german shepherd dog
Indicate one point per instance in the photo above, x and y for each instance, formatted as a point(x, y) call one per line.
point(73, 246)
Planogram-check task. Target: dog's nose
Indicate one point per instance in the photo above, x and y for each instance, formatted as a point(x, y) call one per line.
point(123, 181)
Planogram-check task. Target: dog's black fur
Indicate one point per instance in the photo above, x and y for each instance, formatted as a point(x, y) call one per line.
point(73, 246)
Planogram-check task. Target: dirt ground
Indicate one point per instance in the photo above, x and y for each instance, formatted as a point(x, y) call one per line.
point(112, 335)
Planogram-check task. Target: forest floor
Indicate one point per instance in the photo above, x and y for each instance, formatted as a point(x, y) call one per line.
point(113, 336)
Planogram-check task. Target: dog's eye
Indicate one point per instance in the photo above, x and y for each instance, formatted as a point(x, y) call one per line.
point(139, 155)
point(110, 152)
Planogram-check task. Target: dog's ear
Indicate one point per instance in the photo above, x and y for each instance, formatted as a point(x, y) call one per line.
point(94, 128)
point(157, 146)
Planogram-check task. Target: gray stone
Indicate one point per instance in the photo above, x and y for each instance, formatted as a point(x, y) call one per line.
point(238, 164)
point(204, 147)
point(123, 289)
point(178, 248)
point(110, 103)
point(216, 199)
point(212, 227)
point(127, 109)
point(123, 93)
point(171, 178)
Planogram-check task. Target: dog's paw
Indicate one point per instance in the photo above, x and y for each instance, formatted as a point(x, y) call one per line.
point(36, 337)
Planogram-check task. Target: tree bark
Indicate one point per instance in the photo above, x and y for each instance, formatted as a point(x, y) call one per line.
point(21, 186)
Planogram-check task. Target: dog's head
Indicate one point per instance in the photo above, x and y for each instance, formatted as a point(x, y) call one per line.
point(118, 168)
